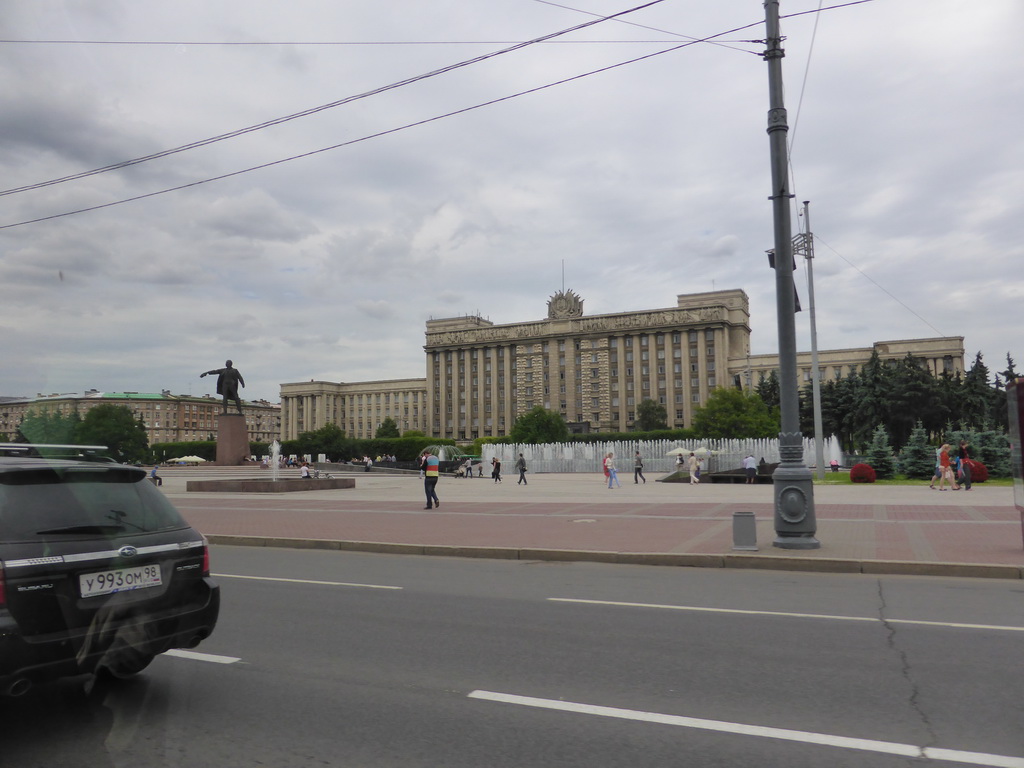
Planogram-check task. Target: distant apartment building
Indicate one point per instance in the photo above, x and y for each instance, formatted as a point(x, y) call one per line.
point(593, 370)
point(168, 418)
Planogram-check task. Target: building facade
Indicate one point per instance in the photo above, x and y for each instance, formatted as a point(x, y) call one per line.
point(357, 408)
point(593, 370)
point(168, 418)
point(937, 355)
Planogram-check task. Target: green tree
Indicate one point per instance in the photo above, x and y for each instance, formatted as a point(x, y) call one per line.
point(730, 413)
point(917, 458)
point(49, 427)
point(328, 440)
point(913, 398)
point(387, 428)
point(115, 427)
point(976, 396)
point(1010, 374)
point(768, 389)
point(872, 400)
point(539, 425)
point(879, 455)
point(650, 415)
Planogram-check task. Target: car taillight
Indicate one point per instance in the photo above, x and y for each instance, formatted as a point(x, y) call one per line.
point(206, 565)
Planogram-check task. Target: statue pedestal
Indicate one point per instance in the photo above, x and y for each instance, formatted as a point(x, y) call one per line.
point(232, 440)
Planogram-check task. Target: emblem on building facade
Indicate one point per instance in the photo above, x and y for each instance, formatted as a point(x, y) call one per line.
point(565, 304)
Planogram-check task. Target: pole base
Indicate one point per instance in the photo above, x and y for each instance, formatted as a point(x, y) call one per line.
point(805, 541)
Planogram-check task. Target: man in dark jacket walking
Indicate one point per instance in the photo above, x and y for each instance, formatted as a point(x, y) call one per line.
point(521, 466)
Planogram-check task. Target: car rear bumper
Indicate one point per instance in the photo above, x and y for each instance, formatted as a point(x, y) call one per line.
point(145, 633)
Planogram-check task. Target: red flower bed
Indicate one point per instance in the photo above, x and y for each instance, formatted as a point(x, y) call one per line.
point(862, 473)
point(979, 472)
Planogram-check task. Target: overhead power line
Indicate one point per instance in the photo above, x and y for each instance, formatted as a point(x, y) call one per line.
point(270, 164)
point(321, 108)
point(370, 136)
point(880, 287)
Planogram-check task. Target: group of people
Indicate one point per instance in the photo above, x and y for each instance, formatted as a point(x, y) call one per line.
point(952, 467)
point(693, 466)
point(611, 473)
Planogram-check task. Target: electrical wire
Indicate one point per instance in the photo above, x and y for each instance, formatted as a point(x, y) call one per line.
point(322, 107)
point(371, 136)
point(314, 110)
point(884, 290)
point(634, 24)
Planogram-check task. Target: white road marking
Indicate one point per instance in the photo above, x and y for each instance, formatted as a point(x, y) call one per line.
point(193, 656)
point(305, 581)
point(875, 619)
point(742, 729)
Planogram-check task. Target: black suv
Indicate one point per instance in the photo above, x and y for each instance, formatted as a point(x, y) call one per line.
point(98, 571)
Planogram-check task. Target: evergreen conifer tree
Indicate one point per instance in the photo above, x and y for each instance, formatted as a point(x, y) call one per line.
point(917, 459)
point(879, 455)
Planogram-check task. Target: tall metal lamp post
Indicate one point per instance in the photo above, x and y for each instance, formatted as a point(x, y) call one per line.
point(795, 521)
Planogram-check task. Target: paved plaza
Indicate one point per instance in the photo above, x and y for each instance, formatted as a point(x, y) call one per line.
point(862, 529)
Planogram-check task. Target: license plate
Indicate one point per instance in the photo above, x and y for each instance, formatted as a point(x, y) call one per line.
point(120, 580)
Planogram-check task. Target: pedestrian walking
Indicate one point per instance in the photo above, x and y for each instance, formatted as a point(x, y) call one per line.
point(937, 474)
point(521, 466)
point(694, 466)
point(965, 465)
point(946, 468)
point(609, 466)
point(432, 470)
point(750, 468)
point(638, 469)
point(468, 468)
point(496, 469)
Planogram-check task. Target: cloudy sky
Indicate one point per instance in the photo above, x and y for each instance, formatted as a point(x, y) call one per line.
point(638, 183)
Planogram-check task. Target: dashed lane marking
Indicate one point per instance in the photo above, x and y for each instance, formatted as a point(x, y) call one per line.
point(875, 619)
point(305, 581)
point(743, 729)
point(193, 656)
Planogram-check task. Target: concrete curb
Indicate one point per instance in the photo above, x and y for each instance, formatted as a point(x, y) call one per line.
point(759, 562)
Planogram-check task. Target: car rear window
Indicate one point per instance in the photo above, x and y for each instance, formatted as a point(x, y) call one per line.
point(47, 503)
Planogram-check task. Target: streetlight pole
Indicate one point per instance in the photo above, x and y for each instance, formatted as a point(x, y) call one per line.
point(807, 248)
point(795, 521)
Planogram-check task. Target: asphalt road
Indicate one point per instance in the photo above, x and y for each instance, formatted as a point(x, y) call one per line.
point(353, 659)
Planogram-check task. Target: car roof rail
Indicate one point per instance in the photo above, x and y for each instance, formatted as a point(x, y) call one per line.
point(33, 449)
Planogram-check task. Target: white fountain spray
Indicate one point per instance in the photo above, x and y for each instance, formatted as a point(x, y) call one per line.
point(275, 460)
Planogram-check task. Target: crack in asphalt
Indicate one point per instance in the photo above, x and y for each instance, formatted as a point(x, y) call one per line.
point(905, 670)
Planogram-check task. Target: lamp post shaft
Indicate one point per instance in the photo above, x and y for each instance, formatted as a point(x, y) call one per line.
point(795, 521)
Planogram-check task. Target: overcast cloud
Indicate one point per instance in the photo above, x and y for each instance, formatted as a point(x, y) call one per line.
point(645, 181)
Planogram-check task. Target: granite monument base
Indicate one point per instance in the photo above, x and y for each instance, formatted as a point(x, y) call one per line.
point(232, 440)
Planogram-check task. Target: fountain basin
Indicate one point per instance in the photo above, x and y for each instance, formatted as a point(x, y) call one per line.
point(269, 486)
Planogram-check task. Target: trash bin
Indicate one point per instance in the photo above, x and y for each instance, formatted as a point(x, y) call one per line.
point(744, 531)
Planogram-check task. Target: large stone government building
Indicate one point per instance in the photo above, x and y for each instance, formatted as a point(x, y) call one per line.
point(594, 370)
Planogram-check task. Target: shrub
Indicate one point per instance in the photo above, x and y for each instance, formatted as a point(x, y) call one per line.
point(979, 472)
point(862, 473)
